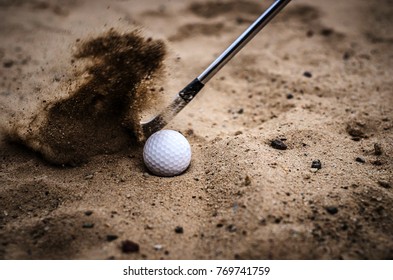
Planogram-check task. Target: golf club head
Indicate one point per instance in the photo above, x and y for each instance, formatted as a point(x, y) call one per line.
point(178, 103)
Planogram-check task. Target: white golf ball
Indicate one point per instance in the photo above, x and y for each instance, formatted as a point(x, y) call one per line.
point(167, 153)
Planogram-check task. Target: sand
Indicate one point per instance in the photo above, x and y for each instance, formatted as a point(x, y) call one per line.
point(317, 80)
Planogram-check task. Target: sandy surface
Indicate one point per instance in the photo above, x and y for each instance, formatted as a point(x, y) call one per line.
point(241, 198)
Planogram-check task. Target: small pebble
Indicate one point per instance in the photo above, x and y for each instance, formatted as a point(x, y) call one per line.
point(262, 222)
point(277, 220)
point(359, 159)
point(231, 228)
point(189, 132)
point(377, 162)
point(278, 144)
point(327, 32)
point(157, 247)
point(88, 212)
point(149, 227)
point(240, 111)
point(377, 149)
point(384, 184)
point(316, 164)
point(290, 96)
point(331, 210)
point(88, 225)
point(89, 177)
point(179, 229)
point(111, 237)
point(247, 181)
point(307, 74)
point(128, 246)
point(356, 131)
point(8, 63)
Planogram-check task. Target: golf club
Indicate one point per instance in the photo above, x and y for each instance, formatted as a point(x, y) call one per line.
point(191, 90)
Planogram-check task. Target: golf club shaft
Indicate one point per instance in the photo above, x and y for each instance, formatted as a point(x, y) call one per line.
point(191, 90)
point(243, 39)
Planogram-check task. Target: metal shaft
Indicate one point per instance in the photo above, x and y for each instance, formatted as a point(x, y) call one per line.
point(191, 90)
point(242, 40)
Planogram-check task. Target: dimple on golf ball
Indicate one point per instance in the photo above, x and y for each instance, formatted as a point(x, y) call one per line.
point(167, 153)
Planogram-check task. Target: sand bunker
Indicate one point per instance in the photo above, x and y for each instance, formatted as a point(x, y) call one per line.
point(241, 198)
point(101, 115)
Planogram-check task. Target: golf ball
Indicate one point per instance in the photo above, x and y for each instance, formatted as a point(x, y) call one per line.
point(167, 153)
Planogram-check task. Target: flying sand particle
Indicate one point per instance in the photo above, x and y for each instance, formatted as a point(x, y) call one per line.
point(102, 115)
